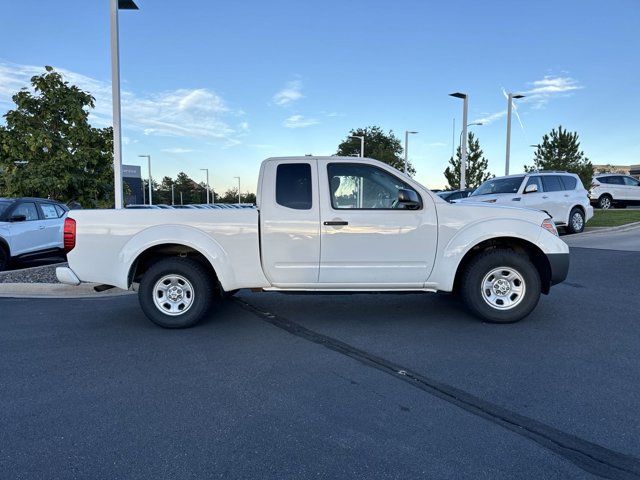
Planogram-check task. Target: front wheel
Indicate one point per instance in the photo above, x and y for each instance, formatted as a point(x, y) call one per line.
point(576, 221)
point(605, 202)
point(501, 286)
point(176, 292)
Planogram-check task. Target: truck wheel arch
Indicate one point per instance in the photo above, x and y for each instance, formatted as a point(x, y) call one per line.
point(537, 256)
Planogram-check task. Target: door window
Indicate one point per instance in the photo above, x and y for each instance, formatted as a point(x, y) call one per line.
point(28, 210)
point(49, 211)
point(535, 180)
point(569, 182)
point(630, 182)
point(293, 186)
point(359, 186)
point(552, 183)
point(617, 180)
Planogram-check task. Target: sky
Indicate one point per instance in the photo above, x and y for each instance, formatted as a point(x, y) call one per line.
point(224, 84)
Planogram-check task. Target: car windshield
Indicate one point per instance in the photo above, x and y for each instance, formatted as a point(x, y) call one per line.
point(499, 185)
point(3, 207)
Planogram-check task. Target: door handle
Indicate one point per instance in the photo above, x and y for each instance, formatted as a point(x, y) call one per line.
point(545, 196)
point(334, 223)
point(42, 227)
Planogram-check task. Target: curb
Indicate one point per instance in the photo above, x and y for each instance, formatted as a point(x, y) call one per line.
point(619, 228)
point(56, 290)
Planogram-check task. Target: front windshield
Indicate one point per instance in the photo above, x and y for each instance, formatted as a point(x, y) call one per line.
point(499, 185)
point(3, 207)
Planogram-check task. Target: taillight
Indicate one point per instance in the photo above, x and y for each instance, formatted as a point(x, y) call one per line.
point(594, 185)
point(69, 234)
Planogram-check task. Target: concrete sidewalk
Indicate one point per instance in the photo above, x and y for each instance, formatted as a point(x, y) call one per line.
point(56, 290)
point(625, 237)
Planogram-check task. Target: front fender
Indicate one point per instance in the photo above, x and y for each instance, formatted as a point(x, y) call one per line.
point(458, 243)
point(181, 235)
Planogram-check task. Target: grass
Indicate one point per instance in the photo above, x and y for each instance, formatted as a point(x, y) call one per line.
point(613, 218)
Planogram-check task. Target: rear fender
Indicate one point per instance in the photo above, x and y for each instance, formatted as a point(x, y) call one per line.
point(180, 235)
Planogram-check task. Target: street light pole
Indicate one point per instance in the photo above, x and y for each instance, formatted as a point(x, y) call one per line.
point(239, 201)
point(406, 149)
point(173, 194)
point(115, 95)
point(361, 137)
point(510, 98)
point(463, 143)
point(148, 157)
point(208, 189)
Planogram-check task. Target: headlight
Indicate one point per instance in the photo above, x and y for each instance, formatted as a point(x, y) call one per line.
point(549, 226)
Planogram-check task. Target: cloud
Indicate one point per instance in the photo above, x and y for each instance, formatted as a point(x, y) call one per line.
point(298, 121)
point(292, 92)
point(192, 113)
point(539, 93)
point(177, 150)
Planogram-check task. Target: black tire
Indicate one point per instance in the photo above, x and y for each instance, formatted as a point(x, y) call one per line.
point(481, 266)
point(605, 202)
point(198, 281)
point(4, 259)
point(576, 221)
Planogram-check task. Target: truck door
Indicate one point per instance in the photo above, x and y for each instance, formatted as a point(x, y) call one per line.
point(290, 223)
point(369, 239)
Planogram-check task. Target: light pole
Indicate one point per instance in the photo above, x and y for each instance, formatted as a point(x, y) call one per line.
point(406, 148)
point(463, 143)
point(510, 98)
point(239, 202)
point(361, 137)
point(173, 194)
point(469, 125)
point(208, 189)
point(115, 95)
point(148, 157)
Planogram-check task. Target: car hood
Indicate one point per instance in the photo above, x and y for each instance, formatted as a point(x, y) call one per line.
point(490, 198)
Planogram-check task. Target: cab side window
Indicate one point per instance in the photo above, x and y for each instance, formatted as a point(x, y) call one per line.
point(363, 187)
point(293, 186)
point(29, 210)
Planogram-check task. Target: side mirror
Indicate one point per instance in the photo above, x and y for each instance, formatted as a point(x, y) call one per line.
point(409, 198)
point(18, 218)
point(531, 188)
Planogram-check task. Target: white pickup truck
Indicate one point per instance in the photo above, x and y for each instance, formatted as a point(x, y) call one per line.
point(321, 224)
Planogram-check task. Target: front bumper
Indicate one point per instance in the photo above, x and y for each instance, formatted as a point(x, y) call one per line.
point(559, 263)
point(67, 276)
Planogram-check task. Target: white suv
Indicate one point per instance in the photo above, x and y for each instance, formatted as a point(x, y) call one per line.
point(560, 194)
point(614, 190)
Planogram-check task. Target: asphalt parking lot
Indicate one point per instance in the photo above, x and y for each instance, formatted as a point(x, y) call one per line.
point(329, 386)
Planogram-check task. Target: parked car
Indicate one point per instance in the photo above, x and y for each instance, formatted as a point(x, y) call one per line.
point(30, 228)
point(452, 195)
point(142, 207)
point(380, 230)
point(560, 194)
point(614, 190)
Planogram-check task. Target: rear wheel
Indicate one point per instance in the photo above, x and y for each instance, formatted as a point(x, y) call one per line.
point(605, 202)
point(501, 286)
point(576, 221)
point(176, 292)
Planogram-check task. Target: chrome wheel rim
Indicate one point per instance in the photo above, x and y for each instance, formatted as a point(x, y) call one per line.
point(173, 295)
point(605, 203)
point(577, 222)
point(503, 288)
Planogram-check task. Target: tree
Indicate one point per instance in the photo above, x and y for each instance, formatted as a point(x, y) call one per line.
point(477, 164)
point(560, 150)
point(385, 147)
point(49, 149)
